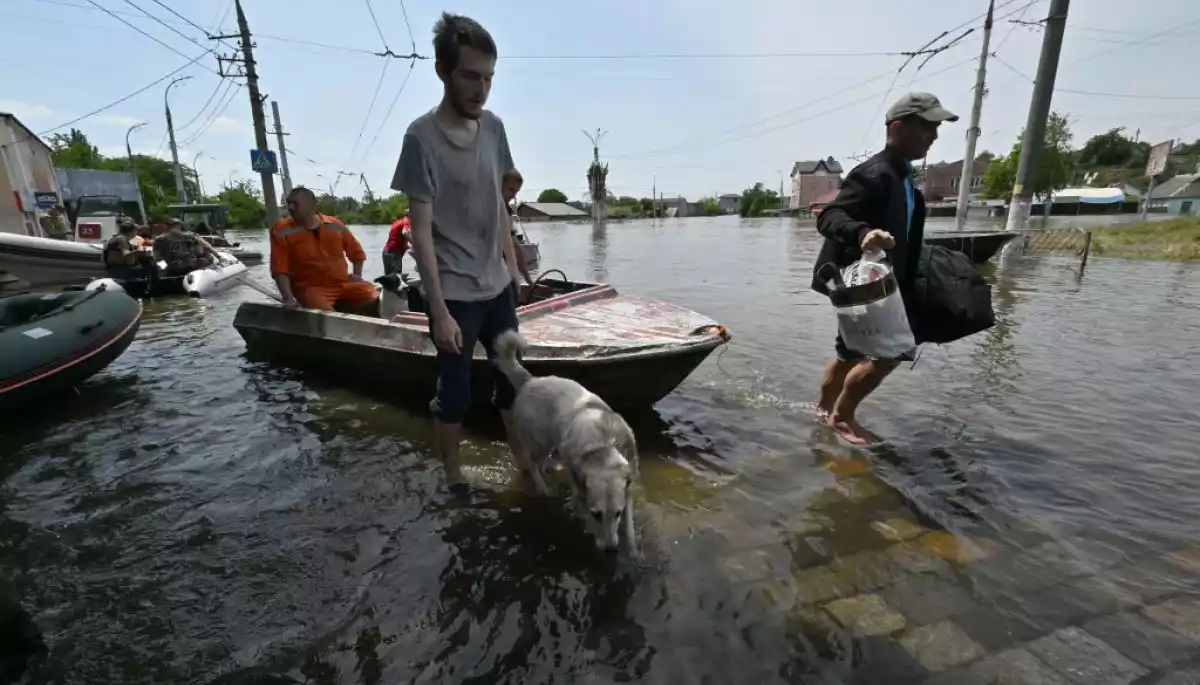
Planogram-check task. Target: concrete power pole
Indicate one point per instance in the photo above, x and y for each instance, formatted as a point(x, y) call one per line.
point(596, 177)
point(1039, 111)
point(283, 167)
point(180, 189)
point(968, 165)
point(256, 112)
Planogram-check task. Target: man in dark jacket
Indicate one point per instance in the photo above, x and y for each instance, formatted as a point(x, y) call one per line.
point(878, 208)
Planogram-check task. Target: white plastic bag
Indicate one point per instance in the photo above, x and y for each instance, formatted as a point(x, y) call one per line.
point(870, 310)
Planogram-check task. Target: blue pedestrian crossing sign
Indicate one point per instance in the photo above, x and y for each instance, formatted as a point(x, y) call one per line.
point(264, 161)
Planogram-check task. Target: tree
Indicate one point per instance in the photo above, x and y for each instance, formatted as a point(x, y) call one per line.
point(708, 206)
point(1054, 170)
point(552, 195)
point(1110, 149)
point(74, 151)
point(757, 199)
point(985, 156)
point(246, 208)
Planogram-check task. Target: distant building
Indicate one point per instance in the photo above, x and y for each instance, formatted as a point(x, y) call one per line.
point(729, 203)
point(550, 211)
point(1179, 195)
point(675, 206)
point(942, 179)
point(28, 186)
point(812, 179)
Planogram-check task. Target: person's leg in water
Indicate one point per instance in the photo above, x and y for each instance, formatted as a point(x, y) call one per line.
point(502, 316)
point(832, 382)
point(862, 380)
point(453, 397)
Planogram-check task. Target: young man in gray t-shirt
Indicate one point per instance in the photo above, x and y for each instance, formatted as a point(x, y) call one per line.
point(450, 168)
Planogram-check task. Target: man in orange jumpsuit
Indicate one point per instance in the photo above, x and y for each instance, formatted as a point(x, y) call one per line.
point(308, 260)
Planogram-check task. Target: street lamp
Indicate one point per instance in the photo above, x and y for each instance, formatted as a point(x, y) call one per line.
point(182, 191)
point(196, 173)
point(133, 171)
point(780, 189)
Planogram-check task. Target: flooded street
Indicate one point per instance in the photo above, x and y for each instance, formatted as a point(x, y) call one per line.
point(198, 517)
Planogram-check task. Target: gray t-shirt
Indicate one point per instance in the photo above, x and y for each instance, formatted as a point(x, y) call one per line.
point(463, 186)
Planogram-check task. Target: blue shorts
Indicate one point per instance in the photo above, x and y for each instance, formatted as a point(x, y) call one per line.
point(480, 321)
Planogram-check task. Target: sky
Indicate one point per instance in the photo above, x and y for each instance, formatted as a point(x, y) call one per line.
point(695, 97)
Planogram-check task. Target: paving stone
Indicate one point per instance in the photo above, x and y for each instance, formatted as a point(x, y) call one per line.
point(917, 560)
point(1187, 559)
point(941, 645)
point(1145, 641)
point(1188, 676)
point(996, 628)
point(814, 632)
point(1152, 579)
point(865, 616)
point(1181, 616)
point(756, 564)
point(861, 489)
point(866, 571)
point(1011, 667)
point(848, 468)
point(875, 660)
point(819, 584)
point(898, 529)
point(926, 599)
point(1085, 659)
point(957, 548)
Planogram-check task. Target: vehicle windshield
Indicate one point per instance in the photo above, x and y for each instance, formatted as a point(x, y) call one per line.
point(210, 218)
point(99, 205)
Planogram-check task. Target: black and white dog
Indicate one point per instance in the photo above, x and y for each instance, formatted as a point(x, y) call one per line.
point(559, 417)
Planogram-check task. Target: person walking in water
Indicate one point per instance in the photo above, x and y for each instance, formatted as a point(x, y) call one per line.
point(450, 167)
point(878, 208)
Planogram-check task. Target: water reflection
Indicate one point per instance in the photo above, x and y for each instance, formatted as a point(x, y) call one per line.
point(598, 261)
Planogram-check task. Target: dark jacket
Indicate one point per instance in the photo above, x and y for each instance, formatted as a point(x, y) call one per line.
point(872, 197)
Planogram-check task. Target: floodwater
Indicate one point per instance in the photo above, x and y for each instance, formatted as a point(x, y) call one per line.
point(194, 517)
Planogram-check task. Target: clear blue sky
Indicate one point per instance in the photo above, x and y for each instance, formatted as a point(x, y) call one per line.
point(725, 122)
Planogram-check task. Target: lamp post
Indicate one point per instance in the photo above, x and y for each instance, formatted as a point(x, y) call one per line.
point(133, 171)
point(180, 189)
point(196, 173)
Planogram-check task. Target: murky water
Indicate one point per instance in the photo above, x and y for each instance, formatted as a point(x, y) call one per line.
point(194, 517)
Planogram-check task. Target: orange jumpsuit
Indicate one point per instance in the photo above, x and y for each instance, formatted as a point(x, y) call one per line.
point(315, 263)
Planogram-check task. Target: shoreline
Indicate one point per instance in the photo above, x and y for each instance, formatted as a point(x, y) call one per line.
point(1172, 240)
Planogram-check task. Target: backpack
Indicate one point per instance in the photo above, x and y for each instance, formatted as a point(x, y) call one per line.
point(949, 299)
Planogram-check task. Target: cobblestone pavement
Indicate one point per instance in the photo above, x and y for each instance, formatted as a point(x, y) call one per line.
point(870, 591)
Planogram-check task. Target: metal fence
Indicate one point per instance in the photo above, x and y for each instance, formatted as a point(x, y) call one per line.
point(1067, 242)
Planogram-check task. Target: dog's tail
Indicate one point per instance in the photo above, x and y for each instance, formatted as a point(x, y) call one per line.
point(508, 345)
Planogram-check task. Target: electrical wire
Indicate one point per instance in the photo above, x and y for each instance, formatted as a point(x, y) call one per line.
point(228, 83)
point(408, 25)
point(1125, 96)
point(387, 115)
point(377, 29)
point(164, 24)
point(370, 109)
point(1147, 38)
point(135, 28)
point(212, 119)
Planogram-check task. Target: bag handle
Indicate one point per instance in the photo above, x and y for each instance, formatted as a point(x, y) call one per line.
point(828, 273)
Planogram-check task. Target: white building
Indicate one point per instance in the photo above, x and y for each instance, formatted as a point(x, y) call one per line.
point(27, 182)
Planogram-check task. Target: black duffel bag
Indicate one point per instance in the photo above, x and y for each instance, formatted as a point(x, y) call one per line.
point(949, 299)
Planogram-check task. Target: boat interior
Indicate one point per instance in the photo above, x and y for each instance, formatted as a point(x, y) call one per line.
point(549, 284)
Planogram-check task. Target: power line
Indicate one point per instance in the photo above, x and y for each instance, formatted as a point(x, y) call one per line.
point(1126, 96)
point(407, 25)
point(135, 28)
point(216, 114)
point(377, 29)
point(387, 115)
point(112, 104)
point(1144, 40)
point(228, 83)
point(370, 109)
point(165, 24)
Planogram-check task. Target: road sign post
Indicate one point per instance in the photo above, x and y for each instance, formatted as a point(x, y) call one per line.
point(1156, 163)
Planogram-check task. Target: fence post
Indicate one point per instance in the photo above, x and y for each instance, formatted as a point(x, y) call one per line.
point(1087, 249)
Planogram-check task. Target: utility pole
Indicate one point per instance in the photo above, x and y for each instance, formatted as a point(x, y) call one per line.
point(968, 164)
point(196, 173)
point(596, 177)
point(1039, 111)
point(780, 189)
point(654, 197)
point(180, 189)
point(287, 177)
point(133, 171)
point(256, 104)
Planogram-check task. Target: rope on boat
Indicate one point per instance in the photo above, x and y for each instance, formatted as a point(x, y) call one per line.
point(725, 336)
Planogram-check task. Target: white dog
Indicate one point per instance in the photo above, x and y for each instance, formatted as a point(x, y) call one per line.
point(557, 416)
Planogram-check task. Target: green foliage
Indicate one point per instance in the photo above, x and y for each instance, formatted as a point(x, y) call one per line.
point(985, 156)
point(1055, 167)
point(756, 200)
point(708, 206)
point(371, 210)
point(552, 195)
point(246, 208)
point(1110, 149)
point(156, 177)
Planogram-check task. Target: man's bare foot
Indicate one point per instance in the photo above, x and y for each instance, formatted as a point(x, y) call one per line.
point(852, 431)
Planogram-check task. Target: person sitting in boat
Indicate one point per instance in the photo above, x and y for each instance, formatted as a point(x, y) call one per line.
point(397, 245)
point(510, 185)
point(183, 251)
point(309, 251)
point(55, 224)
point(122, 260)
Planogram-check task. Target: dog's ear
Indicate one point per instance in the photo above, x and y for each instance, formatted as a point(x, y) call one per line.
point(578, 479)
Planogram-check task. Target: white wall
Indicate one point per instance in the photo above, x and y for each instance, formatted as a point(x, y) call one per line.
point(26, 168)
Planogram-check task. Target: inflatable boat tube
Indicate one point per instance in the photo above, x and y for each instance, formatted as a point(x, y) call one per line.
point(51, 342)
point(206, 282)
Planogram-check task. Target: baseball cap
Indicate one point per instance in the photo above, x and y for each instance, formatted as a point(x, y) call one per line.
point(924, 105)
